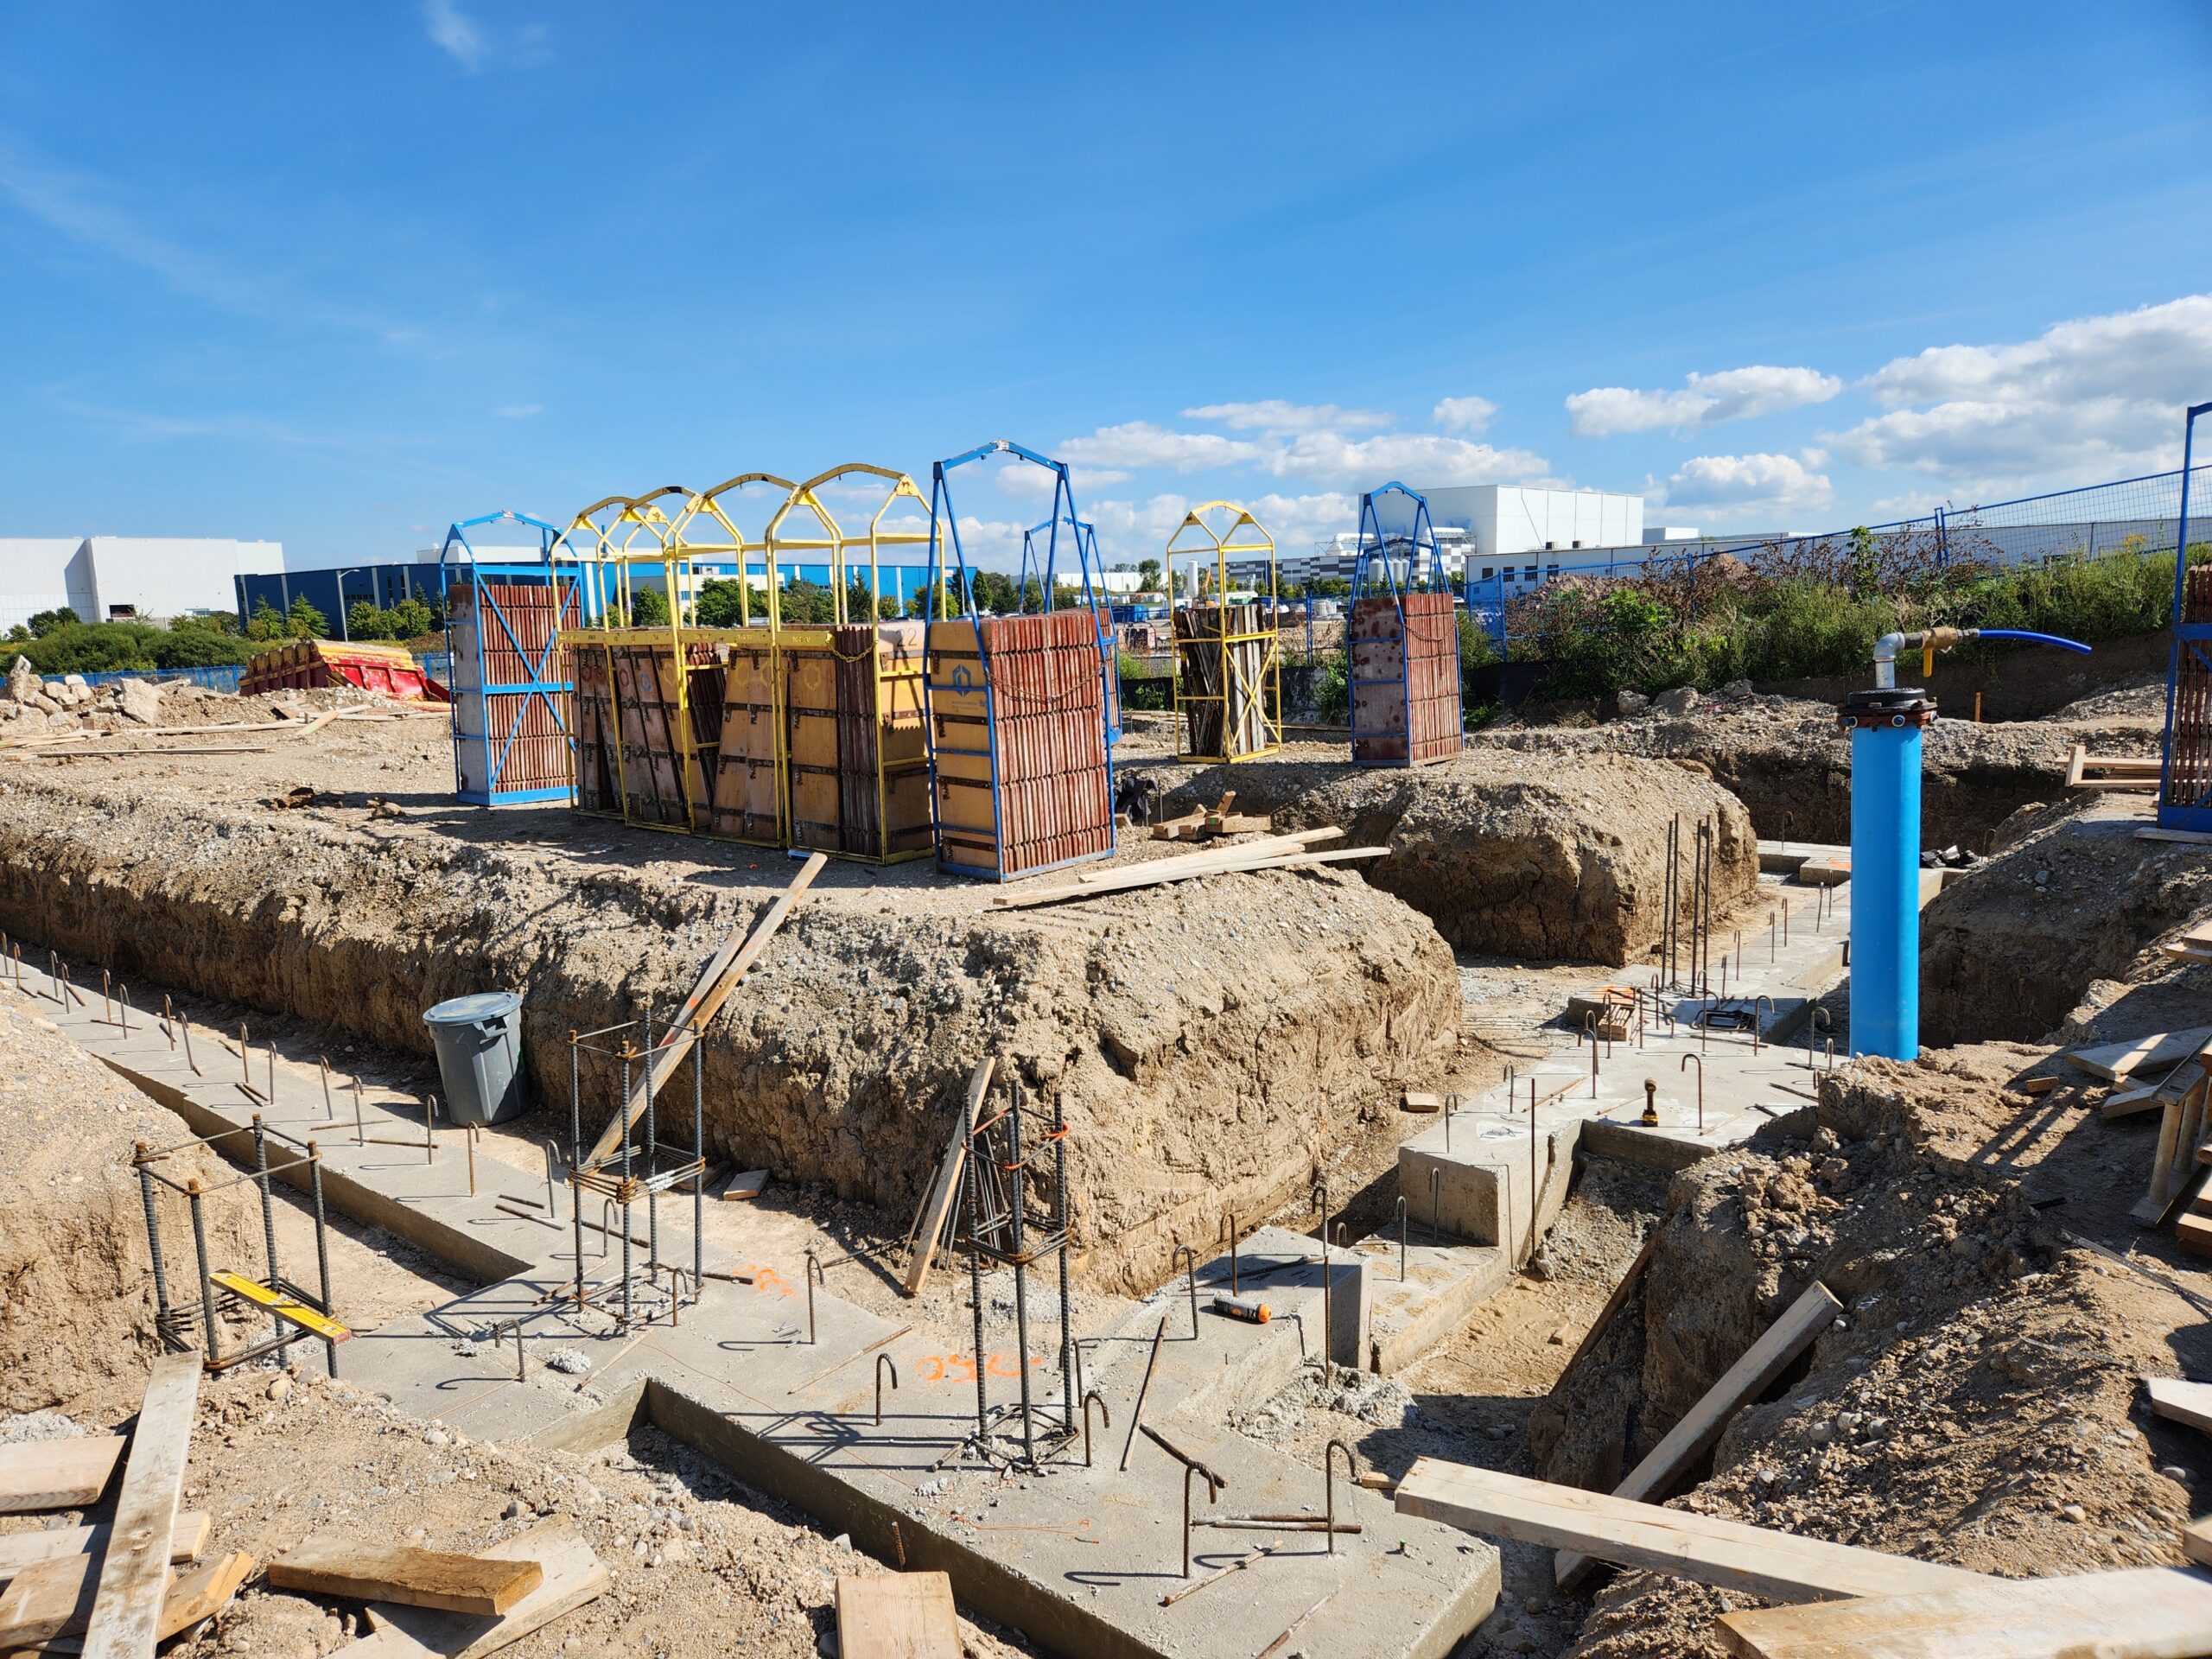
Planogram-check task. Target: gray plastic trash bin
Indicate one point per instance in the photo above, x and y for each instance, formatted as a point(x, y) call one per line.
point(480, 1056)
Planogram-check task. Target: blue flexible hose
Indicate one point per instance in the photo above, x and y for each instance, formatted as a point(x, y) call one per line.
point(2031, 639)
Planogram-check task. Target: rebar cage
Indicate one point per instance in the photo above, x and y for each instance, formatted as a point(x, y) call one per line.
point(1227, 660)
point(295, 1312)
point(638, 1169)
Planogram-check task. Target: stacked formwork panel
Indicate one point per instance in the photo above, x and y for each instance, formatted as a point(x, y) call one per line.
point(510, 737)
point(1405, 680)
point(1019, 781)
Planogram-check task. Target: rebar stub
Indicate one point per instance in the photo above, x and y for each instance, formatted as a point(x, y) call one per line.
point(1877, 709)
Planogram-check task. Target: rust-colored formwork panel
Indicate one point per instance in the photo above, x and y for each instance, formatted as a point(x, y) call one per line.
point(1405, 672)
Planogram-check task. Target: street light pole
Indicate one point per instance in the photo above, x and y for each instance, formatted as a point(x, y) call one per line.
point(345, 629)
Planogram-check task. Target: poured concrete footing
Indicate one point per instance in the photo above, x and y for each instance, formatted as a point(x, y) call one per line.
point(1078, 1558)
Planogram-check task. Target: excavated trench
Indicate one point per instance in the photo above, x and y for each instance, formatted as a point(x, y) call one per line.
point(1209, 1052)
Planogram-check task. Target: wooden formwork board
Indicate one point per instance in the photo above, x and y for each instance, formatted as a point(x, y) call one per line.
point(1405, 674)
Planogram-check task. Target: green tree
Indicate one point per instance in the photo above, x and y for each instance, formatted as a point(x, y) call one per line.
point(648, 607)
point(1148, 572)
point(411, 618)
point(366, 621)
point(993, 591)
point(48, 622)
point(267, 622)
point(720, 603)
point(304, 621)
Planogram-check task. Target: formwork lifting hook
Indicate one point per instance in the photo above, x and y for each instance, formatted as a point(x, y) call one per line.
point(1757, 1030)
point(1686, 1058)
point(1329, 1483)
point(813, 1277)
point(882, 1360)
point(1191, 1472)
point(1402, 1238)
point(1818, 1022)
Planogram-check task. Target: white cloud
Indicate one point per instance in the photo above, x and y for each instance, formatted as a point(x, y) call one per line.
point(2092, 398)
point(519, 411)
point(1273, 415)
point(1141, 443)
point(1128, 531)
point(1731, 394)
point(1420, 458)
point(1323, 455)
point(1464, 414)
point(1023, 483)
point(455, 34)
point(1744, 486)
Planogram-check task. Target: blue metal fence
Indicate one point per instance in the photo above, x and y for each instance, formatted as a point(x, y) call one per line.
point(208, 679)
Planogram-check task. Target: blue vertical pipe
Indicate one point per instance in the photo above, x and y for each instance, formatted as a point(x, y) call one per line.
point(1885, 890)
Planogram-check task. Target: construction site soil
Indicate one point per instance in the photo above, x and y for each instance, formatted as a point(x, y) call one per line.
point(1977, 1403)
point(1210, 1047)
point(1789, 763)
point(1509, 853)
point(2057, 933)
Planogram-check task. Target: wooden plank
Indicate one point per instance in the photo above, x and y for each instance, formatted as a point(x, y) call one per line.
point(1692, 1437)
point(1266, 846)
point(2188, 837)
point(1143, 875)
point(2181, 1401)
point(2152, 1612)
point(204, 1592)
point(929, 1222)
point(748, 1184)
point(896, 1616)
point(48, 1598)
point(716, 980)
point(57, 1474)
point(574, 1578)
point(21, 1550)
point(367, 1570)
point(2114, 1061)
point(1758, 1561)
point(135, 1572)
point(2196, 1542)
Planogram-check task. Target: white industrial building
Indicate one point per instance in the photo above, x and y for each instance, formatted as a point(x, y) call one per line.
point(110, 578)
point(1519, 536)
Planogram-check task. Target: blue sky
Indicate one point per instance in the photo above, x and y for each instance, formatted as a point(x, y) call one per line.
point(337, 276)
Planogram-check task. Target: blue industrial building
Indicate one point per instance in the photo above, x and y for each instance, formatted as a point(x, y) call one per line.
point(332, 591)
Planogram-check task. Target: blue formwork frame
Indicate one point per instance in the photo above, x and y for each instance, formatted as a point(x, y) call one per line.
point(543, 683)
point(944, 527)
point(1422, 535)
point(2194, 638)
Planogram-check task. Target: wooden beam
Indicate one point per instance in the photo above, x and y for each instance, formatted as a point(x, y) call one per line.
point(2180, 1402)
point(363, 1569)
point(57, 1474)
point(2114, 1061)
point(1759, 1560)
point(1145, 875)
point(716, 980)
point(204, 1592)
point(21, 1550)
point(2153, 1612)
point(2196, 1542)
point(929, 1223)
point(135, 1572)
point(1289, 841)
point(574, 1578)
point(1691, 1439)
point(896, 1616)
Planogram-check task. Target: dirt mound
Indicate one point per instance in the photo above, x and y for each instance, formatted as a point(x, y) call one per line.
point(76, 1286)
point(2011, 951)
point(1973, 1405)
point(1206, 1046)
point(1515, 855)
point(1790, 765)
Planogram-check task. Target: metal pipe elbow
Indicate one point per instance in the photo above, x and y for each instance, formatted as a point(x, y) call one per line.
point(1885, 660)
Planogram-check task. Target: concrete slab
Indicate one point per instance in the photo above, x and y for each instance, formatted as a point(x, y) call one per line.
point(1493, 1176)
point(1077, 1557)
point(1424, 1293)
